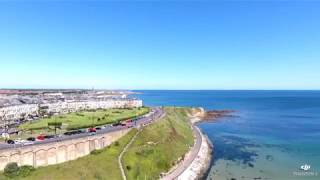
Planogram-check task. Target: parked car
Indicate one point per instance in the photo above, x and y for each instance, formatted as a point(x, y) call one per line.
point(79, 131)
point(10, 141)
point(19, 141)
point(91, 130)
point(69, 133)
point(40, 138)
point(49, 136)
point(25, 142)
point(103, 127)
point(31, 139)
point(116, 124)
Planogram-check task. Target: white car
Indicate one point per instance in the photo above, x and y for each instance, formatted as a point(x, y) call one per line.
point(22, 141)
point(18, 141)
point(25, 142)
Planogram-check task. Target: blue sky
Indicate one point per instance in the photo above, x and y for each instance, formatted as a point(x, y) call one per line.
point(160, 45)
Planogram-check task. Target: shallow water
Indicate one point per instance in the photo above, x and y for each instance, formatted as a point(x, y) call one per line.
point(272, 134)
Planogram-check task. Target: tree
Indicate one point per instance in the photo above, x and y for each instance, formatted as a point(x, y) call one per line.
point(55, 125)
point(11, 169)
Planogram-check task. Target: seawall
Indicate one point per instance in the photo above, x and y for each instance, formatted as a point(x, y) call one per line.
point(58, 152)
point(197, 160)
point(200, 165)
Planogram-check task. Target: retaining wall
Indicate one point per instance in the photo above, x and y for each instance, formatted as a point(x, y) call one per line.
point(58, 152)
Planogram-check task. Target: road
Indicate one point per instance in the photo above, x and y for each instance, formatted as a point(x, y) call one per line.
point(155, 113)
point(188, 159)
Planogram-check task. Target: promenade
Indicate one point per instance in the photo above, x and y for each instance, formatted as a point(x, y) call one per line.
point(196, 160)
point(190, 156)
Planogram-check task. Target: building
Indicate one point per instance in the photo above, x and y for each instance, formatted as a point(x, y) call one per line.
point(11, 114)
point(14, 114)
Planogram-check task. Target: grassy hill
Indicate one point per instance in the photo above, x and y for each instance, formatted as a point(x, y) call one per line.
point(159, 145)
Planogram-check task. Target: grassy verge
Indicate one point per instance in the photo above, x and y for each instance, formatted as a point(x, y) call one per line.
point(159, 146)
point(101, 164)
point(86, 119)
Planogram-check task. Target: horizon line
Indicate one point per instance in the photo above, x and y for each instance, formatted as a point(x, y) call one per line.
point(147, 89)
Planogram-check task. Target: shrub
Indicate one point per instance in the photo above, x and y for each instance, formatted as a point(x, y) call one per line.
point(128, 168)
point(183, 156)
point(25, 170)
point(11, 169)
point(162, 164)
point(96, 151)
point(116, 143)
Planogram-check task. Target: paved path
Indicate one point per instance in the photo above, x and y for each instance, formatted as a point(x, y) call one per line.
point(156, 116)
point(188, 159)
point(122, 153)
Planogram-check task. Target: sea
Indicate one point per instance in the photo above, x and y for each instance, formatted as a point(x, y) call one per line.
point(271, 135)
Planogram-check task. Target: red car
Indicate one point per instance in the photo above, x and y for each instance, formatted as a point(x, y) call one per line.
point(40, 138)
point(127, 124)
point(92, 130)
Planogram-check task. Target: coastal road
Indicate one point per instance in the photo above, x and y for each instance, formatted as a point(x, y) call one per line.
point(155, 113)
point(193, 153)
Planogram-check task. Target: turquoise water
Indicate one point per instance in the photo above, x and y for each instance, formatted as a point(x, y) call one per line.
point(271, 135)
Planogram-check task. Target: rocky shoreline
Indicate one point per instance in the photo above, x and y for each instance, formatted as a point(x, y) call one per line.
point(200, 165)
point(215, 114)
point(196, 166)
point(200, 115)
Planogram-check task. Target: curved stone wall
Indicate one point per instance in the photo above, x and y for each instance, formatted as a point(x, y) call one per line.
point(58, 152)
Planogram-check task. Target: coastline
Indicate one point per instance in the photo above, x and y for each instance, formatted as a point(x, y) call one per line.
point(201, 164)
point(197, 160)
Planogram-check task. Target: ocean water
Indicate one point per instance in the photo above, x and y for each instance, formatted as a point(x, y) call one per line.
point(270, 135)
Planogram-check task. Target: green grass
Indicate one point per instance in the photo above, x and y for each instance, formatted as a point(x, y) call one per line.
point(86, 119)
point(102, 164)
point(159, 146)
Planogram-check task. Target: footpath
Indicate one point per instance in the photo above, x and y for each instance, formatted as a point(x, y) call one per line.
point(196, 161)
point(140, 128)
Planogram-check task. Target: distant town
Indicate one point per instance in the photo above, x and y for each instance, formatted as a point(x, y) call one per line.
point(18, 106)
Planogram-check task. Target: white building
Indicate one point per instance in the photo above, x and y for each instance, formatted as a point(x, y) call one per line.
point(12, 113)
point(9, 115)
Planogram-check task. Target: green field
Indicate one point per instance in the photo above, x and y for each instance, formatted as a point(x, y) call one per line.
point(86, 119)
point(103, 165)
point(159, 145)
